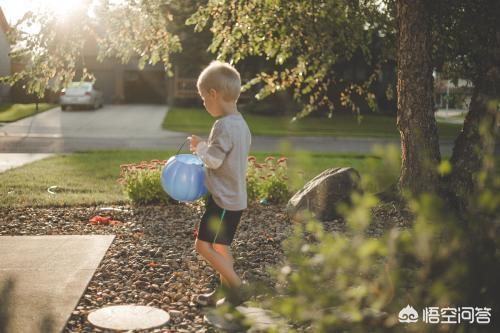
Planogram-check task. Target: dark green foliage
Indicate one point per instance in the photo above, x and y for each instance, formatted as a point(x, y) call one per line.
point(311, 44)
point(466, 40)
point(354, 282)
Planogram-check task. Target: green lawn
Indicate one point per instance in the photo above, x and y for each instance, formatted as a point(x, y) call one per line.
point(90, 178)
point(198, 121)
point(13, 112)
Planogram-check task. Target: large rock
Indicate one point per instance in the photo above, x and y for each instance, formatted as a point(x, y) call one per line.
point(321, 195)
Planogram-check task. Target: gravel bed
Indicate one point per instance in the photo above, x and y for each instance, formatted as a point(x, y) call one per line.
point(152, 260)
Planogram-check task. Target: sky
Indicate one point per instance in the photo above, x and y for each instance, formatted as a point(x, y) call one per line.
point(14, 9)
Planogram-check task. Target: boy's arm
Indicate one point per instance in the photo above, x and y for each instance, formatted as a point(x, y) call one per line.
point(210, 161)
point(213, 152)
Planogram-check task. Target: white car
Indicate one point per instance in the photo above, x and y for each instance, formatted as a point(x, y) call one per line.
point(81, 94)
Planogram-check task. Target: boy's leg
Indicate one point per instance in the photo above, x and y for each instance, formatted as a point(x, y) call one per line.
point(210, 299)
point(219, 262)
point(216, 232)
point(226, 253)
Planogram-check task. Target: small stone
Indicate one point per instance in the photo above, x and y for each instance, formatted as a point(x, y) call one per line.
point(175, 313)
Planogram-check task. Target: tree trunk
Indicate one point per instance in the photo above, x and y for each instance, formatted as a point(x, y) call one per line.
point(471, 146)
point(480, 130)
point(416, 122)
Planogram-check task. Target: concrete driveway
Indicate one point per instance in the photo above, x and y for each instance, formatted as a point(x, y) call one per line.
point(112, 127)
point(111, 121)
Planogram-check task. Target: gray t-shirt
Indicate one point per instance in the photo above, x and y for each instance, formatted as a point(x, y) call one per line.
point(229, 141)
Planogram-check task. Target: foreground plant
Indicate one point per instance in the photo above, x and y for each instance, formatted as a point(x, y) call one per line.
point(444, 269)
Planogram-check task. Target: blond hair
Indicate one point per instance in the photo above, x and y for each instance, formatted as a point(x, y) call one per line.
point(223, 78)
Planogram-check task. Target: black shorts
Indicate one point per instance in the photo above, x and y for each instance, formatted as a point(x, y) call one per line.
point(218, 225)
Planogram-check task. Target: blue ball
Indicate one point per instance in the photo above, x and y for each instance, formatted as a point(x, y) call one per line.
point(183, 177)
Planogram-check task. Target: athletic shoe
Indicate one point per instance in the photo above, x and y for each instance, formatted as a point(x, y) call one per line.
point(209, 299)
point(235, 296)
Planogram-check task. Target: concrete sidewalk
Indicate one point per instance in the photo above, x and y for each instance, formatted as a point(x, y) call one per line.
point(451, 116)
point(15, 160)
point(50, 274)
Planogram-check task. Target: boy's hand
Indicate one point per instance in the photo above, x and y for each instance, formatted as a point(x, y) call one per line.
point(194, 140)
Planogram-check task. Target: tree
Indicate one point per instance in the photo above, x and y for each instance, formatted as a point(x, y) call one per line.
point(310, 40)
point(416, 122)
point(194, 54)
point(467, 39)
point(52, 47)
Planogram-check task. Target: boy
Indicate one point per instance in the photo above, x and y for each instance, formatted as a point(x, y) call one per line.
point(225, 157)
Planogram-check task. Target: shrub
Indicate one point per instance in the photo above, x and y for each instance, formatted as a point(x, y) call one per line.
point(268, 180)
point(142, 183)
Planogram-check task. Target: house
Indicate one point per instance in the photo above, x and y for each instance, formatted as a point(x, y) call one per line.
point(451, 94)
point(125, 83)
point(5, 64)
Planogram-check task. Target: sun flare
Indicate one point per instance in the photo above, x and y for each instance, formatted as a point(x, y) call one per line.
point(62, 8)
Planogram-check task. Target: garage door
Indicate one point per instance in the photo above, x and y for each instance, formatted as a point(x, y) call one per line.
point(105, 82)
point(145, 87)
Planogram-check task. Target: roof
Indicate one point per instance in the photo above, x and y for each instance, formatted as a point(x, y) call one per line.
point(3, 21)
